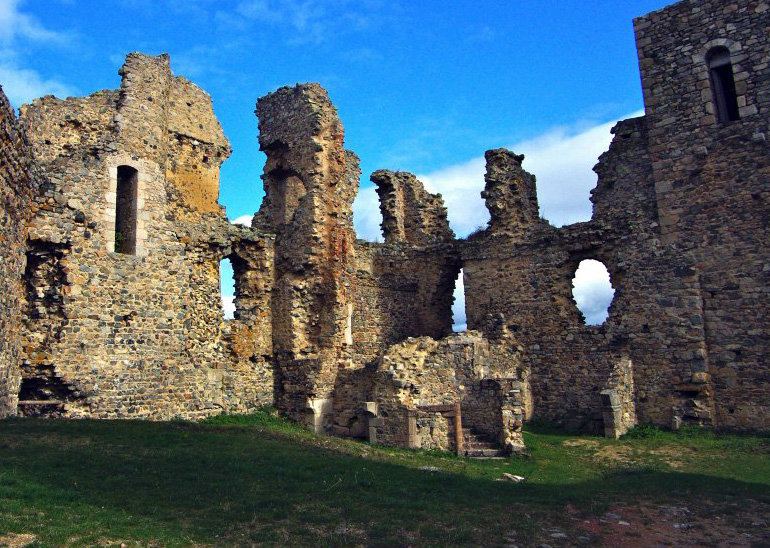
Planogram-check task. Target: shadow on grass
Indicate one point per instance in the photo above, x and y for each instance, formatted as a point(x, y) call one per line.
point(180, 483)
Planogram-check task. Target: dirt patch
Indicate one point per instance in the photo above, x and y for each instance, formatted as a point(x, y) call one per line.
point(618, 454)
point(16, 540)
point(591, 444)
point(738, 523)
point(674, 456)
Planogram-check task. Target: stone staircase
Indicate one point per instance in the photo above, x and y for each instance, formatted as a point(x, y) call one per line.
point(478, 445)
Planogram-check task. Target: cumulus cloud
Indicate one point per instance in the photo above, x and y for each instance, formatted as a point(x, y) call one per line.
point(244, 220)
point(562, 159)
point(228, 306)
point(18, 29)
point(592, 291)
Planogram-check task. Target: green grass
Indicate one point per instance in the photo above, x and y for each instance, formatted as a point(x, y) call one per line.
point(241, 480)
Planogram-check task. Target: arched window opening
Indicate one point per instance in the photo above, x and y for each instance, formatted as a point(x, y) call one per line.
point(723, 84)
point(227, 288)
point(592, 291)
point(459, 321)
point(125, 210)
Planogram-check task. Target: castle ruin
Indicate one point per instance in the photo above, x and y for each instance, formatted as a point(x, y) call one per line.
point(112, 238)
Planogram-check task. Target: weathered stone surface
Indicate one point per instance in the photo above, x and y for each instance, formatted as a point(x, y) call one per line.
point(409, 213)
point(140, 334)
point(18, 184)
point(112, 237)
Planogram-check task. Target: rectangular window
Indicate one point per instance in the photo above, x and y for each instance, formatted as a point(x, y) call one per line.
point(125, 210)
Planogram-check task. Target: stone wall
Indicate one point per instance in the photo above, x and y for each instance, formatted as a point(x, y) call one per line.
point(113, 238)
point(409, 213)
point(711, 184)
point(139, 334)
point(521, 268)
point(401, 291)
point(421, 379)
point(17, 185)
point(310, 182)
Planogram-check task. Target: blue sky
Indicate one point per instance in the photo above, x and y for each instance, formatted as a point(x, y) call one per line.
point(422, 86)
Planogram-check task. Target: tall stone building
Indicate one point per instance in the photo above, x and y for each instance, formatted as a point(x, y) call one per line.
point(113, 238)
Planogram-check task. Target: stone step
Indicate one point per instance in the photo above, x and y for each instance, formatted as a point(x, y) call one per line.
point(40, 402)
point(484, 453)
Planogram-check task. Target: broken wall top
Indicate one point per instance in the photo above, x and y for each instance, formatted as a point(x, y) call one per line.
point(154, 116)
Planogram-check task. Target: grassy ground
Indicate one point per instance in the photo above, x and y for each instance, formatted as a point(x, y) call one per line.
point(258, 480)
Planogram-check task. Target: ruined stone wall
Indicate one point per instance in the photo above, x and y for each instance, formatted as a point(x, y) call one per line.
point(17, 185)
point(522, 268)
point(711, 183)
point(310, 182)
point(415, 377)
point(138, 333)
point(410, 214)
point(401, 291)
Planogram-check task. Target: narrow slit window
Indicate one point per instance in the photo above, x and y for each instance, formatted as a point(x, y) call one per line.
point(723, 84)
point(125, 210)
point(227, 287)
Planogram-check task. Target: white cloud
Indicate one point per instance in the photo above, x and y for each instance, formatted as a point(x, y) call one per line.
point(14, 24)
point(244, 220)
point(460, 185)
point(17, 30)
point(592, 291)
point(458, 308)
point(367, 216)
point(23, 85)
point(228, 306)
point(562, 160)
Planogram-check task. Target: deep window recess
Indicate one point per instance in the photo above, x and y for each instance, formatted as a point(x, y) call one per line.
point(125, 210)
point(723, 84)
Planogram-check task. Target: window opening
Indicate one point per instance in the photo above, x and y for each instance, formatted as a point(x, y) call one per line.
point(459, 321)
point(227, 288)
point(723, 84)
point(125, 210)
point(592, 291)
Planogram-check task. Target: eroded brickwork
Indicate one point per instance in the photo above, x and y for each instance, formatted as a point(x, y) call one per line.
point(419, 381)
point(410, 214)
point(310, 184)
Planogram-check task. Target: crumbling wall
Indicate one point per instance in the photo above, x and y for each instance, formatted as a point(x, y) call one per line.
point(417, 383)
point(310, 182)
point(710, 180)
point(409, 213)
point(520, 267)
point(401, 291)
point(137, 333)
point(17, 185)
